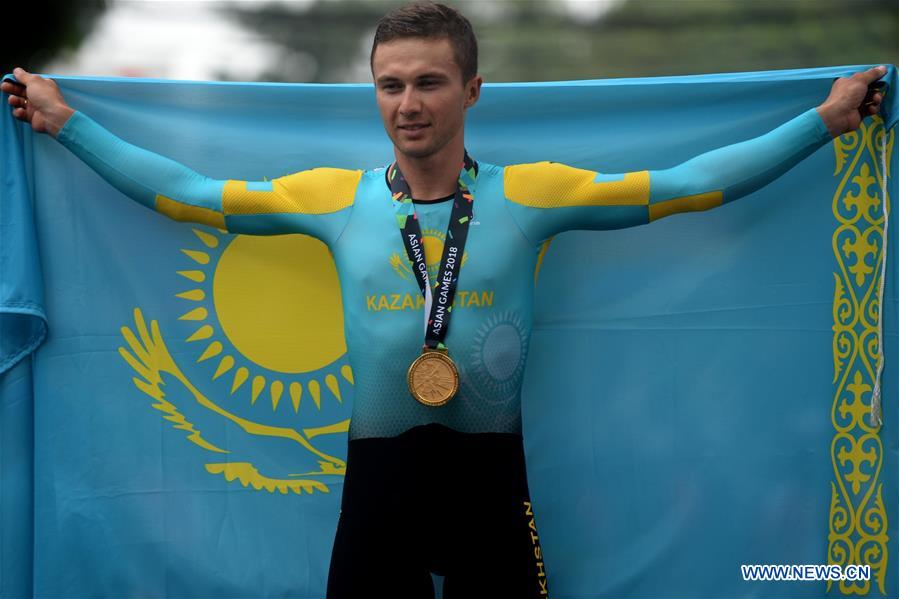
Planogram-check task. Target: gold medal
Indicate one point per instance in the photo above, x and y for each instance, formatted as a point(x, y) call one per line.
point(433, 378)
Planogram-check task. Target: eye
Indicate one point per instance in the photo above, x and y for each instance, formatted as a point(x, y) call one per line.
point(391, 87)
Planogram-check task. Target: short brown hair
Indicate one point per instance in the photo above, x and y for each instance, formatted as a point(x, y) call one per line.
point(431, 20)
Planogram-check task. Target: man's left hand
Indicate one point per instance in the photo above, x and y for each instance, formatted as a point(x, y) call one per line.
point(842, 111)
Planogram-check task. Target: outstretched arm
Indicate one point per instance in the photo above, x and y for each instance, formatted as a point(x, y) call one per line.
point(314, 202)
point(547, 198)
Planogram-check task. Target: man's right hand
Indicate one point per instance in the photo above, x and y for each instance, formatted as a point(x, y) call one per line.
point(37, 101)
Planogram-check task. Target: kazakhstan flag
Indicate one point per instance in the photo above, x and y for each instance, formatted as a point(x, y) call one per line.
point(698, 396)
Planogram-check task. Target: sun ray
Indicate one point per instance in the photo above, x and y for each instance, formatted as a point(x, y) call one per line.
point(197, 256)
point(347, 373)
point(277, 389)
point(331, 382)
point(258, 386)
point(195, 314)
point(212, 350)
point(210, 241)
point(197, 276)
point(240, 377)
point(226, 364)
point(316, 392)
point(204, 332)
point(296, 392)
point(196, 295)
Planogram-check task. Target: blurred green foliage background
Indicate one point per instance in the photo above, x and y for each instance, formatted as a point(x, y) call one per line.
point(533, 40)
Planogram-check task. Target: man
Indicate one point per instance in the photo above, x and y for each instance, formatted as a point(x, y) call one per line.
point(429, 415)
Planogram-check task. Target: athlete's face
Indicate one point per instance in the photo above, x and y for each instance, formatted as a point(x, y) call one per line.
point(421, 94)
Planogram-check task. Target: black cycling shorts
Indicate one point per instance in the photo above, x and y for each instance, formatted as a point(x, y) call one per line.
point(436, 500)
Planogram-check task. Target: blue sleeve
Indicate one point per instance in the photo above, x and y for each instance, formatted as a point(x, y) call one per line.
point(315, 202)
point(547, 198)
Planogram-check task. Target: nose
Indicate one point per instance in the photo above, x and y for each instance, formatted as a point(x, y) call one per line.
point(411, 102)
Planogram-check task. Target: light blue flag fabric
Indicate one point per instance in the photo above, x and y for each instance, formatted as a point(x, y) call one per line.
point(698, 391)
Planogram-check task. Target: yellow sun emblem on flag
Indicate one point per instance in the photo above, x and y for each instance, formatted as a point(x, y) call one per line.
point(265, 321)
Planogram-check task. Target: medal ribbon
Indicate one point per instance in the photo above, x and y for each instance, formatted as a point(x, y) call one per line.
point(439, 302)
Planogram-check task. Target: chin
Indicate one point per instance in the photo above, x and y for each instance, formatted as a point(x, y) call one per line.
point(418, 152)
point(415, 151)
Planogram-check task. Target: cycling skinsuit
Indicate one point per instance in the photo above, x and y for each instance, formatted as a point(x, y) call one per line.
point(402, 453)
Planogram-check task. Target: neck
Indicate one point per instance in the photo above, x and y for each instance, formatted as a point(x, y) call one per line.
point(434, 176)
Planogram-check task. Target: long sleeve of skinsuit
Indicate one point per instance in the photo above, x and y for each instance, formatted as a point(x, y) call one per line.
point(315, 202)
point(516, 208)
point(585, 199)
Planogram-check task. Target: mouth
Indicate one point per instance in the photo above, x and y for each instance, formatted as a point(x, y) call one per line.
point(413, 127)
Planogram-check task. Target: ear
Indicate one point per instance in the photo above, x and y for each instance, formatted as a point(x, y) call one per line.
point(473, 91)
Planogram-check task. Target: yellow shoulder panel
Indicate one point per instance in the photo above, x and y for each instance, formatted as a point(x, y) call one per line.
point(192, 214)
point(551, 185)
point(314, 191)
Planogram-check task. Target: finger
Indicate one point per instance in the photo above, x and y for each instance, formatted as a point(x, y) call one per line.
point(10, 83)
point(869, 108)
point(871, 97)
point(878, 100)
point(17, 101)
point(871, 75)
point(22, 75)
point(11, 87)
